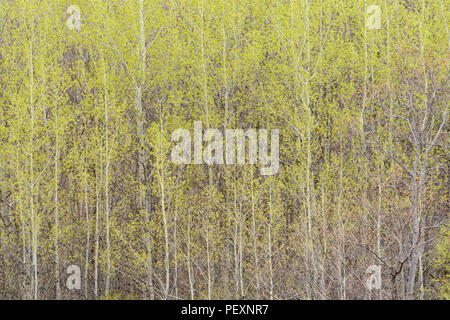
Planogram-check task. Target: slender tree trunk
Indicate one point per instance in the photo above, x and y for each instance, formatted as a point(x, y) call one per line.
point(88, 230)
point(57, 266)
point(97, 221)
point(34, 229)
point(341, 242)
point(379, 214)
point(415, 226)
point(269, 231)
point(189, 267)
point(236, 245)
point(325, 246)
point(23, 221)
point(165, 223)
point(107, 163)
point(255, 248)
point(175, 250)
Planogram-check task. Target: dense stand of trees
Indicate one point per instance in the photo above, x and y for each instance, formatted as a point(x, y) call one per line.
point(86, 117)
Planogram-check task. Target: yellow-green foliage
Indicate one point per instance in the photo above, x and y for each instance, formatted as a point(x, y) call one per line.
point(442, 266)
point(86, 178)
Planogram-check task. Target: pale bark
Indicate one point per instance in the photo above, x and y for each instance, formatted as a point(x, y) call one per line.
point(97, 221)
point(269, 233)
point(189, 267)
point(166, 230)
point(88, 230)
point(34, 228)
point(56, 204)
point(255, 247)
point(142, 155)
point(107, 154)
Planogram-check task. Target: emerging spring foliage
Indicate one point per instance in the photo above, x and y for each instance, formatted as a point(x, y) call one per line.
point(89, 100)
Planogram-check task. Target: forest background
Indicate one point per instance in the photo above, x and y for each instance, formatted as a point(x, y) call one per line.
point(87, 113)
